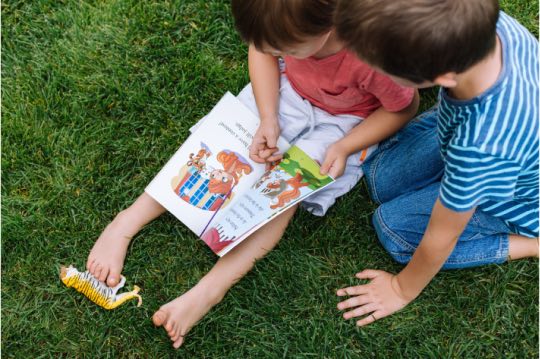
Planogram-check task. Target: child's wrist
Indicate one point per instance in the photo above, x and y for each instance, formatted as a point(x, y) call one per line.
point(344, 148)
point(268, 117)
point(403, 290)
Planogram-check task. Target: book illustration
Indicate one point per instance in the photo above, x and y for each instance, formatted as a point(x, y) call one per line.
point(207, 182)
point(281, 191)
point(218, 192)
point(212, 166)
point(288, 182)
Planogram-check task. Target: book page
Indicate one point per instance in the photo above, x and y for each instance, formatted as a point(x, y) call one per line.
point(212, 167)
point(293, 179)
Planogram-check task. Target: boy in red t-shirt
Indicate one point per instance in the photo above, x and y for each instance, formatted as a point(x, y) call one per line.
point(320, 97)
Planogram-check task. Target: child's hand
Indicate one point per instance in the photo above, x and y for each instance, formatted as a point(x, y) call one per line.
point(377, 299)
point(335, 161)
point(264, 145)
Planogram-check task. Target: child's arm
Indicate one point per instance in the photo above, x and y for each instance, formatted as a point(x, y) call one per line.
point(378, 126)
point(387, 293)
point(264, 75)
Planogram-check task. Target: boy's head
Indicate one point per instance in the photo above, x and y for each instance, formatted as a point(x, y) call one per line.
point(298, 28)
point(419, 40)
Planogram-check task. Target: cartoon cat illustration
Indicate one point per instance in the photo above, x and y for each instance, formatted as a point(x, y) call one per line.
point(279, 190)
point(285, 196)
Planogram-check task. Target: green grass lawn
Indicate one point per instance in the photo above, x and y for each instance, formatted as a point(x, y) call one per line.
point(96, 96)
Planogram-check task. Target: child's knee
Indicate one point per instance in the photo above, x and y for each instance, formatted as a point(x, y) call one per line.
point(392, 238)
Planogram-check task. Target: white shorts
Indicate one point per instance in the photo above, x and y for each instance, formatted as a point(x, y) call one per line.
point(314, 130)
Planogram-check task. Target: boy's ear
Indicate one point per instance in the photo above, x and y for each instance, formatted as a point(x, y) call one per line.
point(448, 79)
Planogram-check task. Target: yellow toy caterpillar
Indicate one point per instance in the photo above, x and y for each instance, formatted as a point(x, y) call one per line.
point(98, 292)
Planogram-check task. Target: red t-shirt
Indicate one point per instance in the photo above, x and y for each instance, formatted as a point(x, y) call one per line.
point(342, 84)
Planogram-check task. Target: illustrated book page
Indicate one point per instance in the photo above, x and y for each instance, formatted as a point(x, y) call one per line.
point(294, 178)
point(211, 167)
point(217, 191)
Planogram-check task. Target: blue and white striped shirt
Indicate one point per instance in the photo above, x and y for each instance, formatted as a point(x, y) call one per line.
point(490, 143)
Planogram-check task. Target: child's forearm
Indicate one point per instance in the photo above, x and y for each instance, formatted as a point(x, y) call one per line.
point(378, 126)
point(444, 228)
point(264, 75)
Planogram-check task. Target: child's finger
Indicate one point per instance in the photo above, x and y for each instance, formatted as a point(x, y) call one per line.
point(271, 141)
point(256, 158)
point(368, 274)
point(275, 157)
point(337, 169)
point(361, 310)
point(376, 315)
point(354, 302)
point(334, 171)
point(325, 167)
point(355, 290)
point(267, 152)
point(255, 147)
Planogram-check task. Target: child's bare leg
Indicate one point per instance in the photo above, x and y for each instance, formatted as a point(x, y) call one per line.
point(106, 258)
point(181, 314)
point(522, 247)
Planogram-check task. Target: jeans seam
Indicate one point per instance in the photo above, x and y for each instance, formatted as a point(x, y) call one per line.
point(371, 179)
point(475, 218)
point(393, 236)
point(371, 184)
point(498, 255)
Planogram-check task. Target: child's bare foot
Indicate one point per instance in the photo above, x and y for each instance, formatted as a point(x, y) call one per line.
point(106, 258)
point(180, 315)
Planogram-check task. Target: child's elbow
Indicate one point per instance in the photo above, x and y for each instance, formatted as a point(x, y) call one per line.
point(412, 109)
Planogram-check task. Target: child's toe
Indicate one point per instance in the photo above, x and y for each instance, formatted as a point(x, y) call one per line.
point(93, 268)
point(103, 275)
point(159, 318)
point(97, 270)
point(114, 277)
point(177, 335)
point(89, 263)
point(178, 343)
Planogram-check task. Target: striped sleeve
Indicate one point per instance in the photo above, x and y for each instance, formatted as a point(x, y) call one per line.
point(472, 176)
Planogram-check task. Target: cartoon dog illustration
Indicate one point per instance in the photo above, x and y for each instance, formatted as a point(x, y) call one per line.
point(199, 160)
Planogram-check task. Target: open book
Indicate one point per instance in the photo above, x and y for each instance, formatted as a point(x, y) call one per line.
point(215, 189)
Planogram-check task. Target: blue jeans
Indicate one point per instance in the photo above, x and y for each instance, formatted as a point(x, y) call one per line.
point(403, 176)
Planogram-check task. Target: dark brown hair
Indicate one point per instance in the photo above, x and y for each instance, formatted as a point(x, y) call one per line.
point(419, 39)
point(281, 23)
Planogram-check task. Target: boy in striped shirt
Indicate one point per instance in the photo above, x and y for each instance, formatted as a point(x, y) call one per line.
point(459, 186)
